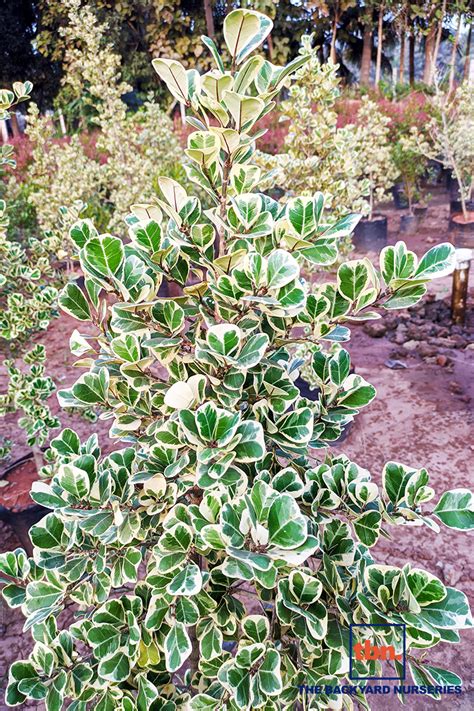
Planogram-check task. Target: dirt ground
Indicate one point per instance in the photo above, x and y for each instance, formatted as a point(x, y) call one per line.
point(423, 416)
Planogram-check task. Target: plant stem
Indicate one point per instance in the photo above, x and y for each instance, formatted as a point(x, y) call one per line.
point(38, 457)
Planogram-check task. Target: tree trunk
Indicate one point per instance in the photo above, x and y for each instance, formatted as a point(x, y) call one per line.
point(452, 68)
point(470, 74)
point(14, 124)
point(209, 18)
point(332, 54)
point(411, 58)
point(401, 69)
point(429, 54)
point(439, 34)
point(378, 64)
point(271, 50)
point(366, 56)
point(467, 59)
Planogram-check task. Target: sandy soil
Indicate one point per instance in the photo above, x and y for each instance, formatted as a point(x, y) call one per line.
point(418, 419)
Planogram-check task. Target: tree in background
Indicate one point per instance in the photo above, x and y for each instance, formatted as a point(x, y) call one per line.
point(19, 22)
point(130, 150)
point(319, 155)
point(373, 156)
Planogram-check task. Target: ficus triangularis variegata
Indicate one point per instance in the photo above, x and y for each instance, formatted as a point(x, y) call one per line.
point(216, 560)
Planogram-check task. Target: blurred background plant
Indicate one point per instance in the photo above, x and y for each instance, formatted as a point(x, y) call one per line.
point(318, 155)
point(28, 302)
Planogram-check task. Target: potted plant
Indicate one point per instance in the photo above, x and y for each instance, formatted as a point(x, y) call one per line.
point(411, 165)
point(450, 143)
point(215, 526)
point(374, 156)
point(319, 155)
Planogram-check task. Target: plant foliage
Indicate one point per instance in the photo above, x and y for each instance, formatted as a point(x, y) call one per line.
point(215, 560)
point(319, 156)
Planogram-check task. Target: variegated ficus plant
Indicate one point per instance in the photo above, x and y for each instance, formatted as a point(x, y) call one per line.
point(217, 559)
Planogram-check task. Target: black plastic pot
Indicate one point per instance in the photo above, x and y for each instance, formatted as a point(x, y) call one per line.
point(462, 233)
point(371, 235)
point(455, 206)
point(408, 224)
point(453, 187)
point(21, 519)
point(399, 197)
point(420, 211)
point(434, 173)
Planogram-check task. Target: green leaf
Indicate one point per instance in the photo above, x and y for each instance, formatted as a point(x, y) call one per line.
point(294, 428)
point(282, 269)
point(210, 44)
point(177, 647)
point(395, 478)
point(174, 75)
point(72, 301)
point(426, 588)
point(188, 582)
point(443, 677)
point(253, 350)
point(126, 347)
point(339, 366)
point(436, 261)
point(82, 231)
point(224, 338)
point(67, 442)
point(103, 255)
point(245, 110)
point(367, 527)
point(287, 527)
point(256, 627)
point(115, 668)
point(405, 297)
point(352, 278)
point(186, 611)
point(452, 611)
point(239, 680)
point(48, 533)
point(14, 595)
point(397, 262)
point(148, 236)
point(422, 679)
point(456, 509)
point(251, 443)
point(170, 315)
point(269, 674)
point(244, 31)
point(73, 480)
point(92, 388)
point(357, 392)
point(304, 214)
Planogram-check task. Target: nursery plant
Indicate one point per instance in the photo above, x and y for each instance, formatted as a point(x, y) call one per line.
point(119, 163)
point(449, 140)
point(28, 302)
point(373, 152)
point(218, 558)
point(318, 156)
point(411, 167)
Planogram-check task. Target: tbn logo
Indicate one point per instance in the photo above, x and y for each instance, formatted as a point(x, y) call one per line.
point(363, 649)
point(368, 653)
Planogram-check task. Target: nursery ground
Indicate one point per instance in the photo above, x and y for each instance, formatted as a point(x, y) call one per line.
point(422, 416)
